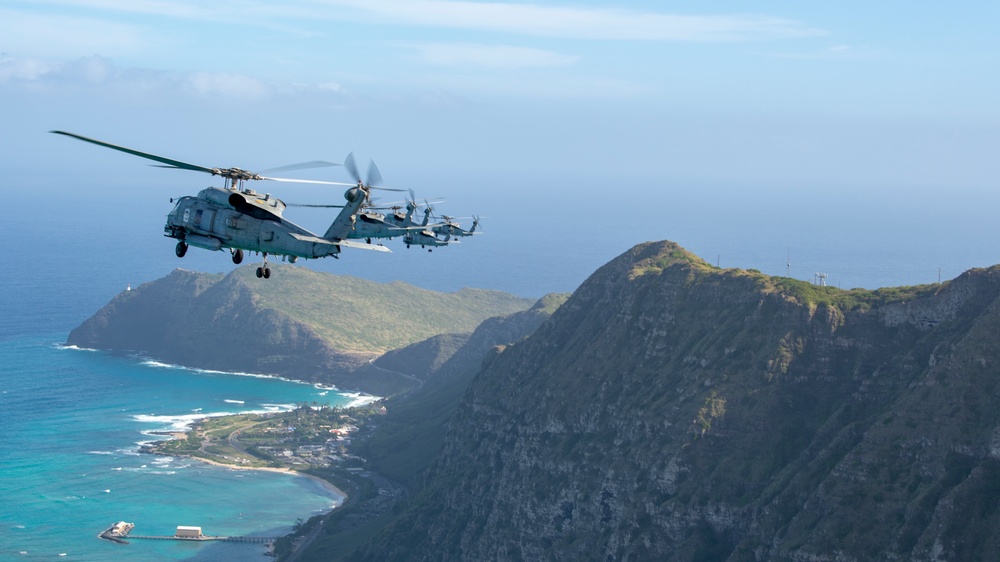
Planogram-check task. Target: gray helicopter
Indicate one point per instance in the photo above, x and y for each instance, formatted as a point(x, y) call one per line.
point(451, 228)
point(372, 224)
point(425, 235)
point(239, 219)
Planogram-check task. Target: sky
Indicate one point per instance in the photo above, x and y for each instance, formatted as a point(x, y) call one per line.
point(556, 119)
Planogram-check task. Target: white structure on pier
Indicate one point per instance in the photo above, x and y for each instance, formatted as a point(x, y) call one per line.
point(185, 532)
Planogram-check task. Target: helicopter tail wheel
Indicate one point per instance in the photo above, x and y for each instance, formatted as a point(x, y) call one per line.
point(237, 256)
point(181, 249)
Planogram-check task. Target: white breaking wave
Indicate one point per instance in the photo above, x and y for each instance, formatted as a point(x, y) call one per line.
point(183, 422)
point(279, 407)
point(72, 347)
point(359, 399)
point(231, 401)
point(162, 365)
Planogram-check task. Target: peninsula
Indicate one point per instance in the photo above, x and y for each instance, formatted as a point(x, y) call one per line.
point(301, 324)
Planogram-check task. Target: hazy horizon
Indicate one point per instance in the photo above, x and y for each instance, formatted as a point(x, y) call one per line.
point(576, 129)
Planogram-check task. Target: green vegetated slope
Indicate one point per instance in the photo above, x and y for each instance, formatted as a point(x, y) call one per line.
point(670, 410)
point(299, 323)
point(363, 316)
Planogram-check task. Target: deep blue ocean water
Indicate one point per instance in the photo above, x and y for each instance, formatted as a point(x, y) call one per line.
point(70, 420)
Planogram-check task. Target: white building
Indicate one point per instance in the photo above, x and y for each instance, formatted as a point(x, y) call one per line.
point(185, 532)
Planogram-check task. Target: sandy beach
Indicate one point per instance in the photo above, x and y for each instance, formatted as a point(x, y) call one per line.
point(327, 485)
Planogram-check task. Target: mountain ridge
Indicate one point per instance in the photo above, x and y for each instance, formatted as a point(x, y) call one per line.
point(671, 410)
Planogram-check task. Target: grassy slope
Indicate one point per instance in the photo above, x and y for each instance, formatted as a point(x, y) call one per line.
point(356, 315)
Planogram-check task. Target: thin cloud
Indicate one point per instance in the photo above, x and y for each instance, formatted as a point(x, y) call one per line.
point(39, 75)
point(54, 35)
point(578, 22)
point(489, 56)
point(603, 23)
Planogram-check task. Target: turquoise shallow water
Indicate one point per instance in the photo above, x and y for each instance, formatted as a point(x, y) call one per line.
point(69, 462)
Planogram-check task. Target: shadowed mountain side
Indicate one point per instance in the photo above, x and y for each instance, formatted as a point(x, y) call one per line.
point(670, 410)
point(300, 324)
point(422, 359)
point(410, 435)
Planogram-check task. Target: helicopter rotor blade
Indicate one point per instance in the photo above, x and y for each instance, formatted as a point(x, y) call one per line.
point(428, 203)
point(352, 168)
point(300, 166)
point(291, 180)
point(315, 206)
point(374, 177)
point(170, 162)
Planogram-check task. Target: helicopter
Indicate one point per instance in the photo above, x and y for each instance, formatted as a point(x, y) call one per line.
point(240, 219)
point(372, 224)
point(425, 235)
point(451, 228)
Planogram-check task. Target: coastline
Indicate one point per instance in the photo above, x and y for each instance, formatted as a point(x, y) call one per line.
point(327, 485)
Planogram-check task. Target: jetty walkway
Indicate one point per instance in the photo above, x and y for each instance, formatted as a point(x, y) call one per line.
point(120, 533)
point(261, 540)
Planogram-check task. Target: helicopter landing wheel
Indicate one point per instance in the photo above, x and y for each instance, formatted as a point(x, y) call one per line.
point(263, 271)
point(407, 246)
point(181, 249)
point(237, 256)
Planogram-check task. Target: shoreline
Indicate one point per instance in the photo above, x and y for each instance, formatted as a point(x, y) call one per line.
point(325, 484)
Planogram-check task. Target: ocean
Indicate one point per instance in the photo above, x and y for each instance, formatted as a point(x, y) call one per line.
point(73, 419)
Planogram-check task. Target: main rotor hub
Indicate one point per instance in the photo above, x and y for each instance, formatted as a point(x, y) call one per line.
point(236, 174)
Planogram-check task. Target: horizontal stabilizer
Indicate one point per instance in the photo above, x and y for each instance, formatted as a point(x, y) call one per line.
point(313, 239)
point(345, 243)
point(363, 246)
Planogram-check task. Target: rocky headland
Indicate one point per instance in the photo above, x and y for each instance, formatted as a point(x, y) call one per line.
point(299, 324)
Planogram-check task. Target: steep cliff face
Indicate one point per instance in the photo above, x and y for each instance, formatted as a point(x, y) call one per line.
point(410, 436)
point(300, 324)
point(673, 411)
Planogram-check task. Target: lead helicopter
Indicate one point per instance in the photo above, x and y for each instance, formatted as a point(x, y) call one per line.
point(239, 219)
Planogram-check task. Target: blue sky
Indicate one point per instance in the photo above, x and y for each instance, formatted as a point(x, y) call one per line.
point(527, 109)
point(785, 91)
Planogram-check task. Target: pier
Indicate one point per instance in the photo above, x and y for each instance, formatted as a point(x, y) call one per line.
point(120, 531)
point(261, 540)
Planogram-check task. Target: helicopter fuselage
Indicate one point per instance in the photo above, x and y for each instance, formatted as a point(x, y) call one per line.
point(220, 218)
point(374, 225)
point(424, 238)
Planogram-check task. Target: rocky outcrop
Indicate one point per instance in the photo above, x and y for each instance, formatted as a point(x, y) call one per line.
point(674, 411)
